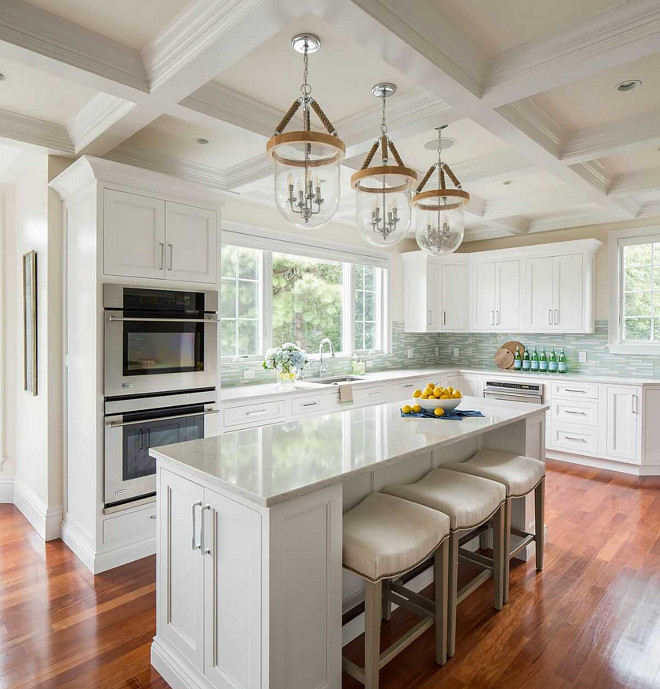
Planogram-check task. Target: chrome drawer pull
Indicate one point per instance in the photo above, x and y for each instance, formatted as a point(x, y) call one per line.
point(375, 394)
point(577, 440)
point(202, 547)
point(194, 526)
point(310, 404)
point(580, 413)
point(259, 411)
point(574, 390)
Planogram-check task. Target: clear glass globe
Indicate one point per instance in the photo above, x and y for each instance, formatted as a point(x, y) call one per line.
point(383, 219)
point(439, 231)
point(307, 196)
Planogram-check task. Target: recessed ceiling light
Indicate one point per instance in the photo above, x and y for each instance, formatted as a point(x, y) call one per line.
point(3, 77)
point(628, 85)
point(201, 140)
point(447, 142)
point(507, 182)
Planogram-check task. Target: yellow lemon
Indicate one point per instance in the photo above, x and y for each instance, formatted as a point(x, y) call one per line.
point(450, 389)
point(406, 409)
point(456, 394)
point(436, 393)
point(445, 397)
point(417, 409)
point(439, 411)
point(417, 393)
point(430, 385)
point(424, 396)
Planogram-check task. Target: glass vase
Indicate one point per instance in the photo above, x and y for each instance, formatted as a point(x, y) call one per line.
point(286, 380)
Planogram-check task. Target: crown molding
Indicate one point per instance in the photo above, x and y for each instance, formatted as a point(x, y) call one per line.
point(532, 119)
point(95, 118)
point(594, 172)
point(635, 183)
point(649, 209)
point(249, 171)
point(599, 142)
point(621, 34)
point(67, 50)
point(30, 130)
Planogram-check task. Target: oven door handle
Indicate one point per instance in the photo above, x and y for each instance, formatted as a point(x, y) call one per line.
point(116, 424)
point(164, 320)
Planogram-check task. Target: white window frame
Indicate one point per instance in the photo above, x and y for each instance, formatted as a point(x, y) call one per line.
point(618, 239)
point(270, 241)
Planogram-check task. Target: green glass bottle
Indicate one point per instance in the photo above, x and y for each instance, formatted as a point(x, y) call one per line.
point(543, 361)
point(526, 361)
point(534, 360)
point(562, 365)
point(517, 361)
point(552, 361)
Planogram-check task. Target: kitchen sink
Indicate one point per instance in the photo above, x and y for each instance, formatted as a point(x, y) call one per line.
point(330, 380)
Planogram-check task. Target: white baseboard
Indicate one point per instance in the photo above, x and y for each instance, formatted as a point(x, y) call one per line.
point(7, 489)
point(45, 520)
point(176, 670)
point(608, 464)
point(102, 561)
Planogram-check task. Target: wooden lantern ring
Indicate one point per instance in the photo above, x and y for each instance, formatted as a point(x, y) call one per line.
point(306, 137)
point(462, 197)
point(381, 170)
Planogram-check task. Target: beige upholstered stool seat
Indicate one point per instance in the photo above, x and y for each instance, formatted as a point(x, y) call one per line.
point(385, 536)
point(467, 500)
point(517, 473)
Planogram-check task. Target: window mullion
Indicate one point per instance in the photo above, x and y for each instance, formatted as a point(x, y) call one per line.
point(348, 309)
point(266, 310)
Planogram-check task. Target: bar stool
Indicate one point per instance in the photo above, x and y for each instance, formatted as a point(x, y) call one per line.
point(520, 476)
point(471, 503)
point(385, 537)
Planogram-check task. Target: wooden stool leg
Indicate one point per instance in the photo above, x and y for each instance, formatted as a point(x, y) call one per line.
point(508, 505)
point(372, 612)
point(539, 518)
point(452, 593)
point(499, 556)
point(441, 571)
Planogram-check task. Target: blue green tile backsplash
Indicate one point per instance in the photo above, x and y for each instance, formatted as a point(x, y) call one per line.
point(476, 350)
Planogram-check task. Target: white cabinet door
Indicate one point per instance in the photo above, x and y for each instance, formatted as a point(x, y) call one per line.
point(483, 296)
point(232, 572)
point(454, 288)
point(192, 251)
point(539, 294)
point(133, 235)
point(622, 423)
point(180, 591)
point(568, 293)
point(507, 295)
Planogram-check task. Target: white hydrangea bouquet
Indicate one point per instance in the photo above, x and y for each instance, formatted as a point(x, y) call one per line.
point(289, 361)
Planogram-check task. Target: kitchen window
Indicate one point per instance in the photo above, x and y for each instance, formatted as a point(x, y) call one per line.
point(296, 292)
point(635, 300)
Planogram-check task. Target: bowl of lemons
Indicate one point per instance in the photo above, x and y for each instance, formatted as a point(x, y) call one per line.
point(437, 397)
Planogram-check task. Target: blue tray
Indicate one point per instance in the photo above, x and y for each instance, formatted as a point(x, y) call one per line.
point(455, 415)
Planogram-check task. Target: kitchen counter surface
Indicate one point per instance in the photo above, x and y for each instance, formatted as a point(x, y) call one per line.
point(276, 463)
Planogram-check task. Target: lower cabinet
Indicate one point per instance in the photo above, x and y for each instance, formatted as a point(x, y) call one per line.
point(209, 581)
point(623, 423)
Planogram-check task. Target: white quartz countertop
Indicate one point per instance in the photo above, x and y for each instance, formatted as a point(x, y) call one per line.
point(247, 392)
point(272, 464)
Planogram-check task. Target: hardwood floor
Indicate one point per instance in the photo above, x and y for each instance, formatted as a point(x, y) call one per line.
point(590, 620)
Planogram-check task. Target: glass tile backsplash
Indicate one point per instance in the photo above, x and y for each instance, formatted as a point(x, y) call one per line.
point(475, 350)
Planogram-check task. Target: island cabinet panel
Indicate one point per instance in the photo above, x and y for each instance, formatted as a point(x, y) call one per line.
point(180, 595)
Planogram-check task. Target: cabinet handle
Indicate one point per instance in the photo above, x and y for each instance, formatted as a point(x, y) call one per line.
point(162, 255)
point(556, 317)
point(202, 546)
point(492, 317)
point(410, 385)
point(634, 404)
point(575, 390)
point(375, 394)
point(499, 319)
point(571, 411)
point(310, 404)
point(577, 440)
point(430, 319)
point(171, 248)
point(444, 318)
point(258, 411)
point(214, 594)
point(549, 316)
point(194, 526)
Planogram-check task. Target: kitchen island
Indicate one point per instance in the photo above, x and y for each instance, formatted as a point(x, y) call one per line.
point(249, 577)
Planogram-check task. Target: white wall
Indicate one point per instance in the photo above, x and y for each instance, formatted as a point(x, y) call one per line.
point(34, 449)
point(265, 216)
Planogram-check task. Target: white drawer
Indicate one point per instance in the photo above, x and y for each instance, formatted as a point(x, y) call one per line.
point(574, 439)
point(311, 404)
point(403, 391)
point(363, 397)
point(582, 412)
point(130, 526)
point(585, 391)
point(256, 413)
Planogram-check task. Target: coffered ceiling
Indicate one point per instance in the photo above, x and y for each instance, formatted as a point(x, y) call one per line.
point(543, 140)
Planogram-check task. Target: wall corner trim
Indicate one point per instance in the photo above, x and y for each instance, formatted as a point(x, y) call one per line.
point(46, 520)
point(6, 488)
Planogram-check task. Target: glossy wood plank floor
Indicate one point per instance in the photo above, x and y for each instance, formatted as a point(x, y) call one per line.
point(590, 620)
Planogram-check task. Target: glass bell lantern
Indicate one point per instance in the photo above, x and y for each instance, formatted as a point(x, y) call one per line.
point(383, 210)
point(306, 162)
point(440, 213)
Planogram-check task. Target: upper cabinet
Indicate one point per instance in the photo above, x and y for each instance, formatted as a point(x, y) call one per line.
point(435, 293)
point(535, 289)
point(495, 288)
point(146, 237)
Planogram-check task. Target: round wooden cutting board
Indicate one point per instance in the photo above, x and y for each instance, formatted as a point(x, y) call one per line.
point(511, 346)
point(504, 358)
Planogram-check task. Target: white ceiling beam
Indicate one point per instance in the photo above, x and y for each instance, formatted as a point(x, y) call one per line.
point(650, 209)
point(35, 132)
point(519, 204)
point(591, 215)
point(626, 32)
point(615, 137)
point(44, 41)
point(647, 181)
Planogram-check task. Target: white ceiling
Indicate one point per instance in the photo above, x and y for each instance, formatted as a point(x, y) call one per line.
point(526, 86)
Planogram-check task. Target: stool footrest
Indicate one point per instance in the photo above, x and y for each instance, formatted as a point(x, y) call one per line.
point(418, 604)
point(475, 558)
point(529, 538)
point(403, 642)
point(519, 532)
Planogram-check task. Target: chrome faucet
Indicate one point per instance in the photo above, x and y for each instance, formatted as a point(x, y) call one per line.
point(323, 369)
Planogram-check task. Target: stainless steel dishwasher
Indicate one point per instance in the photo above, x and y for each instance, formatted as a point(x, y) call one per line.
point(513, 392)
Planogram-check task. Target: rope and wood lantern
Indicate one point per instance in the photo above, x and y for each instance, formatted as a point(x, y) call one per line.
point(383, 210)
point(306, 162)
point(440, 212)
